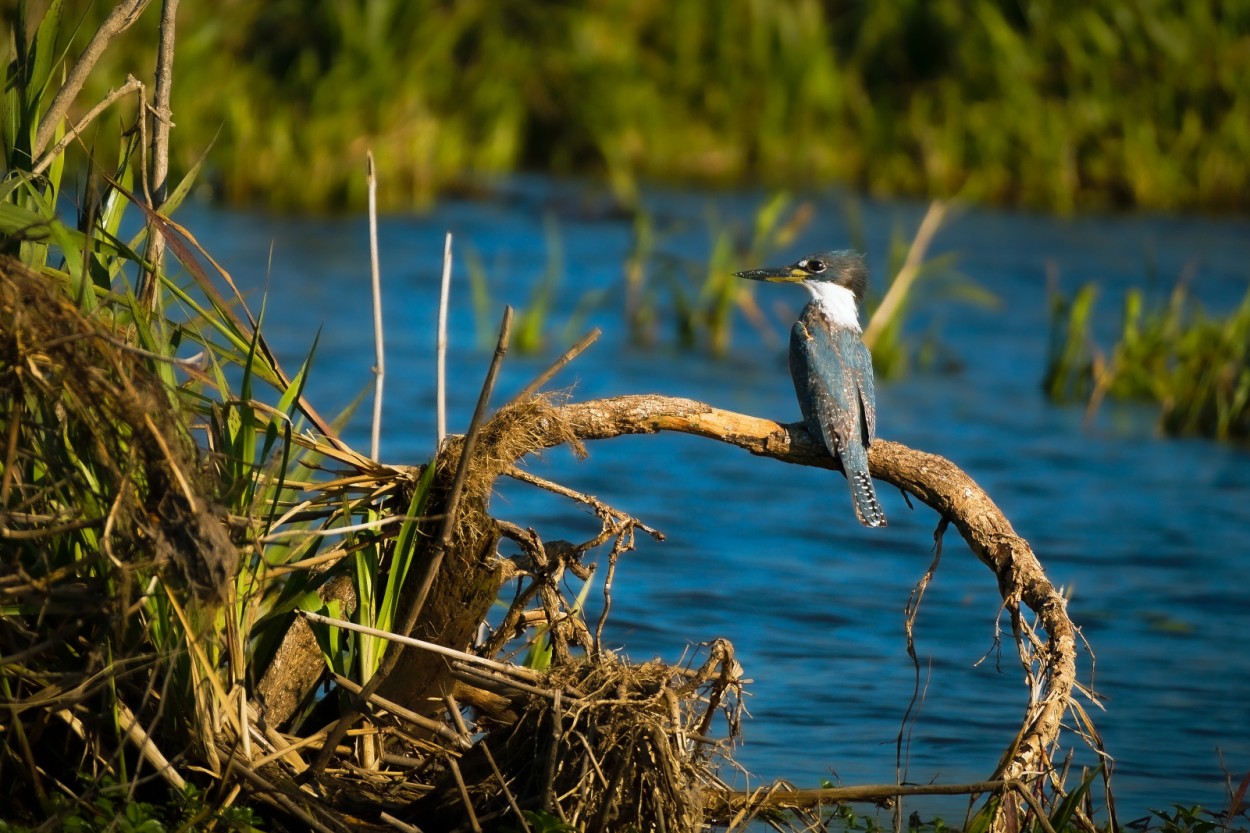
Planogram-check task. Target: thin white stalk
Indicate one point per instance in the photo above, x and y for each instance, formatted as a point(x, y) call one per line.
point(379, 367)
point(142, 740)
point(441, 347)
point(330, 533)
point(419, 643)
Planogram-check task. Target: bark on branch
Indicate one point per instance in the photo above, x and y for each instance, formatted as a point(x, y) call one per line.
point(933, 480)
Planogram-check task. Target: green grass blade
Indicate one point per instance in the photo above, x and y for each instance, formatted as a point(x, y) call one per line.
point(1063, 814)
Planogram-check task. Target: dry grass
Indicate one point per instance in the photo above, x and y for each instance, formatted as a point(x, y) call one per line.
point(117, 557)
point(597, 743)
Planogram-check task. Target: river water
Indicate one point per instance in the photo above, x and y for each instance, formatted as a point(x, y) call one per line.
point(1148, 535)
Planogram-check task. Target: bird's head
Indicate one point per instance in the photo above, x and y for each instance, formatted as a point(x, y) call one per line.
point(844, 268)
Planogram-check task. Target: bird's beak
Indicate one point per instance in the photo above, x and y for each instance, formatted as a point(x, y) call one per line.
point(776, 274)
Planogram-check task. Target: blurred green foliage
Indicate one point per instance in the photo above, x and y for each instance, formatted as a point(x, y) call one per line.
point(1062, 106)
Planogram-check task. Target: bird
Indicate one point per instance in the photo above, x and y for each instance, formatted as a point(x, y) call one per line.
point(831, 366)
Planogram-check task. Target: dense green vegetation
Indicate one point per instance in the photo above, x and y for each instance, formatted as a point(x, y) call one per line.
point(1059, 106)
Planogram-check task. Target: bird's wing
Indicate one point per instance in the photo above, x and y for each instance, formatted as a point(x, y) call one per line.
point(864, 384)
point(829, 379)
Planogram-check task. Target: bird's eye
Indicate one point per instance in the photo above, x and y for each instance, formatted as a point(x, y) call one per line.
point(813, 265)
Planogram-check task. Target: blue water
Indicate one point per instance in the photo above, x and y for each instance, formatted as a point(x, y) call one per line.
point(1148, 535)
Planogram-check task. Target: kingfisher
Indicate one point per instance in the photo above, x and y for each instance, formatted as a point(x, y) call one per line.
point(831, 367)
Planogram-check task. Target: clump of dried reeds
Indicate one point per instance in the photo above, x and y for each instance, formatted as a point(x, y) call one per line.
point(606, 745)
point(120, 555)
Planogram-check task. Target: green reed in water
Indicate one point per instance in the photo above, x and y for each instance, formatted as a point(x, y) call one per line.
point(696, 302)
point(1194, 365)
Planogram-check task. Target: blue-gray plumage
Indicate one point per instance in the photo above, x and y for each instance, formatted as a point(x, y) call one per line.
point(832, 368)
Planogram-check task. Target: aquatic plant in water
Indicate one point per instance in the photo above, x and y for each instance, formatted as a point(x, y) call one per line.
point(1194, 365)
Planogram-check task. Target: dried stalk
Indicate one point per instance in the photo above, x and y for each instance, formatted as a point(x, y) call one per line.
point(555, 367)
point(894, 297)
point(379, 342)
point(158, 175)
point(119, 20)
point(132, 84)
point(440, 348)
point(742, 804)
point(142, 740)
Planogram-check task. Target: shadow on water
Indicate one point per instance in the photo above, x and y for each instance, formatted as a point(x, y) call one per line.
point(1145, 532)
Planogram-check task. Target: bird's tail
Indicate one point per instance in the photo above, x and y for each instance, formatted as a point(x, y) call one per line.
point(867, 508)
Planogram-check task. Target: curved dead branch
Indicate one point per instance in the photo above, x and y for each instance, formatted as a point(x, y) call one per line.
point(933, 480)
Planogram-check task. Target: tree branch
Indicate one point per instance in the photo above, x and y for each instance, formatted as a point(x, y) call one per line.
point(933, 480)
